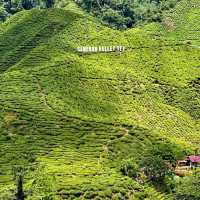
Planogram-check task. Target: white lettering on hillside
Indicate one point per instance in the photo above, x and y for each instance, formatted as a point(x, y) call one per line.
point(88, 49)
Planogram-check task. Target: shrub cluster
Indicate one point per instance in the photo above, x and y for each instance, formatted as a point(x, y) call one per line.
point(156, 165)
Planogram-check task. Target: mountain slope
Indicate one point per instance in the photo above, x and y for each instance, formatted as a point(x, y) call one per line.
point(80, 115)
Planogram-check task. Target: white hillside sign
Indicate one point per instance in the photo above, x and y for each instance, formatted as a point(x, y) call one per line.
point(90, 49)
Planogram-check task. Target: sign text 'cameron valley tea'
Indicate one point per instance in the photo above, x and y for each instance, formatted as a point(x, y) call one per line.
point(100, 49)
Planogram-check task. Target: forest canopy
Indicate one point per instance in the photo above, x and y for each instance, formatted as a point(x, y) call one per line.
point(9, 7)
point(124, 14)
point(120, 14)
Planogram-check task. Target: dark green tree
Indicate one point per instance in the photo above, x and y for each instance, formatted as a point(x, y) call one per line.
point(27, 4)
point(155, 168)
point(19, 172)
point(159, 161)
point(50, 3)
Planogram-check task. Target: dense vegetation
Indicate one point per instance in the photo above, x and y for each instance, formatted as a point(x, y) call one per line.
point(127, 13)
point(188, 188)
point(10, 7)
point(103, 125)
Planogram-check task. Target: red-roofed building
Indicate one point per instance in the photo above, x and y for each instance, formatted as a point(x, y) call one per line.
point(194, 161)
point(184, 166)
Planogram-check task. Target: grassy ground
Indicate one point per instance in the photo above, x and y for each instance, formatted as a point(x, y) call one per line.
point(80, 115)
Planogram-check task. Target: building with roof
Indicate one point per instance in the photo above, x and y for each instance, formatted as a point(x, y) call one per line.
point(194, 161)
point(184, 167)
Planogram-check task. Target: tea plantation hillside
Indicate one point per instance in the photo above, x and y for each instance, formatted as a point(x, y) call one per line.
point(71, 119)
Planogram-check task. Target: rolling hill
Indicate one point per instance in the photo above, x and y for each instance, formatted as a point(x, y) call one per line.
point(78, 116)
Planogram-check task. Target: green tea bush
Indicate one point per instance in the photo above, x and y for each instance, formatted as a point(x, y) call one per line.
point(188, 188)
point(129, 168)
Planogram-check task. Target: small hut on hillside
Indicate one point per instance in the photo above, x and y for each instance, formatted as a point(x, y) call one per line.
point(184, 166)
point(194, 161)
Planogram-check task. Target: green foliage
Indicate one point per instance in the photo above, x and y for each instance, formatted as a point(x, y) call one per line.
point(113, 18)
point(126, 13)
point(42, 186)
point(129, 168)
point(3, 13)
point(168, 152)
point(155, 168)
point(50, 3)
point(188, 188)
point(159, 161)
point(9, 7)
point(81, 115)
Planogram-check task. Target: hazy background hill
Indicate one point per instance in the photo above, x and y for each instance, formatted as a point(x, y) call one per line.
point(75, 118)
